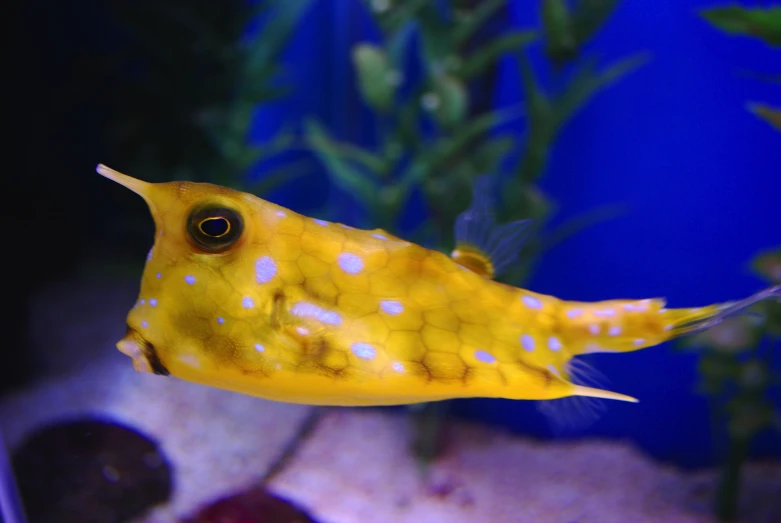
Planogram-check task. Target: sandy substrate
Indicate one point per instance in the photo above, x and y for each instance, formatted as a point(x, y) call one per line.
point(355, 466)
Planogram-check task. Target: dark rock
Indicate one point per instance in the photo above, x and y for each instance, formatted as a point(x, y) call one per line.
point(90, 470)
point(253, 506)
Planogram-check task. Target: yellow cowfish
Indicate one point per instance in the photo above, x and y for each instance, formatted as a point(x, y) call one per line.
point(245, 295)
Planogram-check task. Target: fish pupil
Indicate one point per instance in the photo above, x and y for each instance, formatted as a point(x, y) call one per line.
point(215, 227)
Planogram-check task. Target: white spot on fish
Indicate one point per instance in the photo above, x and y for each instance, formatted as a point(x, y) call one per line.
point(528, 342)
point(331, 318)
point(304, 309)
point(343, 226)
point(668, 327)
point(189, 359)
point(635, 307)
point(265, 269)
point(593, 329)
point(153, 302)
point(532, 302)
point(605, 312)
point(281, 214)
point(277, 366)
point(142, 302)
point(149, 255)
point(259, 347)
point(364, 351)
point(247, 302)
point(554, 343)
point(614, 331)
point(554, 370)
point(145, 324)
point(321, 222)
point(350, 263)
point(379, 236)
point(189, 279)
point(302, 331)
point(484, 356)
point(574, 313)
point(662, 311)
point(398, 367)
point(220, 320)
point(639, 341)
point(159, 275)
point(391, 307)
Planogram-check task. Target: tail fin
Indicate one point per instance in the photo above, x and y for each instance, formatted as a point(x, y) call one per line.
point(692, 321)
point(628, 325)
point(622, 326)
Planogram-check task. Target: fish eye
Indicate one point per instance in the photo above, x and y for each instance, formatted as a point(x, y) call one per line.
point(214, 228)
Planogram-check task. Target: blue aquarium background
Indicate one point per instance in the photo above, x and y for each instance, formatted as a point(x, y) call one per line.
point(690, 179)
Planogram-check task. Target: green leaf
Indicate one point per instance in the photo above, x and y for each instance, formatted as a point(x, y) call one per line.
point(480, 60)
point(588, 82)
point(341, 173)
point(274, 35)
point(433, 160)
point(398, 43)
point(560, 43)
point(757, 22)
point(390, 19)
point(436, 31)
point(582, 222)
point(453, 100)
point(279, 176)
point(375, 80)
point(589, 16)
point(471, 130)
point(487, 157)
point(473, 20)
point(376, 165)
point(541, 126)
point(770, 114)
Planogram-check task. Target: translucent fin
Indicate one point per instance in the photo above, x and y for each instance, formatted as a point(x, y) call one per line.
point(710, 318)
point(574, 414)
point(481, 245)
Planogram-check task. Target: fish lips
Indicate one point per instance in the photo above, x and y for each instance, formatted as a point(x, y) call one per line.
point(142, 352)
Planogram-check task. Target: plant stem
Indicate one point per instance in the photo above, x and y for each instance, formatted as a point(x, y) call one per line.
point(728, 493)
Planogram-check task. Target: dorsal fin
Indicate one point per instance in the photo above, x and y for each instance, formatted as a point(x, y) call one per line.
point(482, 246)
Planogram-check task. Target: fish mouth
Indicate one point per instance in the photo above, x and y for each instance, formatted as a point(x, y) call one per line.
point(142, 352)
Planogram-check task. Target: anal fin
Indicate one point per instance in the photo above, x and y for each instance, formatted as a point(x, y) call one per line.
point(575, 413)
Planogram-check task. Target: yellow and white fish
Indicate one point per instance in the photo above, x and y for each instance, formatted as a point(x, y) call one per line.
point(245, 295)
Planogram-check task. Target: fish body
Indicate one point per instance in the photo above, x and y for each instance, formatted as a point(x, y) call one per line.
point(242, 294)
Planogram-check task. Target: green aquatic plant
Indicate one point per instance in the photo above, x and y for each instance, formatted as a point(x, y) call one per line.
point(426, 139)
point(430, 137)
point(763, 23)
point(736, 373)
point(735, 358)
